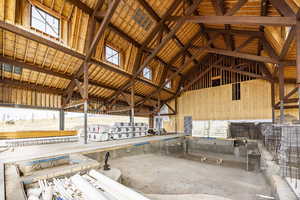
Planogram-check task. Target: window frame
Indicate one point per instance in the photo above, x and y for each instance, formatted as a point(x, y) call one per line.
point(151, 73)
point(114, 49)
point(58, 19)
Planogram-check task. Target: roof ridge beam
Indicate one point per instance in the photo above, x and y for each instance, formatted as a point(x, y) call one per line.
point(252, 20)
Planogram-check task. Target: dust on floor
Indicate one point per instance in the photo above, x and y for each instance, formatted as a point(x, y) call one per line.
point(156, 174)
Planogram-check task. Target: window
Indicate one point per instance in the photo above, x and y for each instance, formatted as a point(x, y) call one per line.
point(236, 91)
point(215, 82)
point(12, 69)
point(142, 19)
point(168, 85)
point(112, 55)
point(147, 73)
point(44, 22)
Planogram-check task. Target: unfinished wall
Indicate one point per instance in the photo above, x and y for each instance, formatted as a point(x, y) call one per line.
point(216, 104)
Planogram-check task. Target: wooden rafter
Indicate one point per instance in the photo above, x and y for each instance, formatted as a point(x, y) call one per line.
point(37, 68)
point(93, 43)
point(287, 43)
point(251, 20)
point(283, 8)
point(166, 39)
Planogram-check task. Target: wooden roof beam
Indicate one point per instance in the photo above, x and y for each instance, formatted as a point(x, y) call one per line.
point(263, 12)
point(31, 86)
point(172, 76)
point(157, 18)
point(283, 8)
point(236, 32)
point(51, 90)
point(166, 39)
point(287, 43)
point(33, 67)
point(220, 11)
point(84, 67)
point(38, 68)
point(238, 54)
point(55, 45)
point(251, 20)
point(116, 30)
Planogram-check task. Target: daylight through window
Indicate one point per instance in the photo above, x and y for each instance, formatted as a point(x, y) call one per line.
point(44, 22)
point(147, 73)
point(168, 85)
point(112, 55)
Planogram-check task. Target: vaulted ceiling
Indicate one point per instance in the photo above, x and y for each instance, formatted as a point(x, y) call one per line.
point(148, 33)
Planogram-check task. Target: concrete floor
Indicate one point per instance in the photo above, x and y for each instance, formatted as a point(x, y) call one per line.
point(155, 174)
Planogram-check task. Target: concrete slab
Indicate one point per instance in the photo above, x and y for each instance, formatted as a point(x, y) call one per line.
point(13, 185)
point(48, 150)
point(156, 174)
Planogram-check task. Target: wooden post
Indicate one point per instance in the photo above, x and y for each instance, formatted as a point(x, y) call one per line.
point(85, 108)
point(86, 96)
point(273, 100)
point(61, 120)
point(298, 61)
point(132, 105)
point(158, 112)
point(281, 92)
point(176, 111)
point(151, 121)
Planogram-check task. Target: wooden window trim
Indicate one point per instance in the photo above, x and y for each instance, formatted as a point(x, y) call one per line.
point(115, 49)
point(42, 32)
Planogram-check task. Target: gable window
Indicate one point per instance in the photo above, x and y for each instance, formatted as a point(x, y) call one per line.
point(112, 56)
point(168, 85)
point(44, 22)
point(236, 91)
point(147, 73)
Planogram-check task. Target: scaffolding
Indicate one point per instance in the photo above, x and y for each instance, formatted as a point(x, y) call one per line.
point(271, 138)
point(283, 141)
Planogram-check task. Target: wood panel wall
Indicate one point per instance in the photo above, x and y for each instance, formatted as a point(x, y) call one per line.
point(29, 98)
point(216, 103)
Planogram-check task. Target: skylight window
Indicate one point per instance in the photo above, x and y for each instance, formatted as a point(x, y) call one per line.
point(147, 73)
point(44, 22)
point(142, 19)
point(168, 85)
point(112, 55)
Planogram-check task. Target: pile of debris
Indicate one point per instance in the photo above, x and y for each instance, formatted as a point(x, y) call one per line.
point(90, 186)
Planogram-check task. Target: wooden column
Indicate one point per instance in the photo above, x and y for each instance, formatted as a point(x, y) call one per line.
point(176, 111)
point(281, 92)
point(132, 104)
point(85, 108)
point(158, 113)
point(151, 121)
point(273, 100)
point(61, 120)
point(298, 61)
point(86, 96)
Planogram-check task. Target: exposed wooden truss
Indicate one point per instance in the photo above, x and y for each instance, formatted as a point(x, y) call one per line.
point(164, 34)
